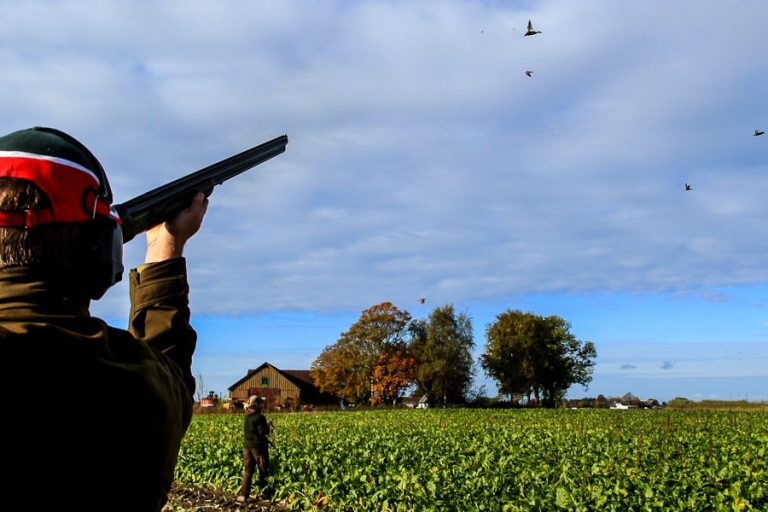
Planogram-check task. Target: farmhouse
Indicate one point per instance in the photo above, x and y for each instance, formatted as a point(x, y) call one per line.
point(282, 389)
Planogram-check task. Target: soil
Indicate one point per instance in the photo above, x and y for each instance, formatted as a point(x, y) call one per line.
point(191, 498)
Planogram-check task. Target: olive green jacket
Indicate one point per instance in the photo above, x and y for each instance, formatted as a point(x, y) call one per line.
point(114, 402)
point(255, 430)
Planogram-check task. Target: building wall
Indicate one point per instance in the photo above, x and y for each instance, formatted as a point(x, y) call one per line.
point(288, 390)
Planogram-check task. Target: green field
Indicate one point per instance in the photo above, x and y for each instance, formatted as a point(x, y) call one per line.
point(500, 460)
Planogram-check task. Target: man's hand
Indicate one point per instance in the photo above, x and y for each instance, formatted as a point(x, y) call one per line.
point(166, 240)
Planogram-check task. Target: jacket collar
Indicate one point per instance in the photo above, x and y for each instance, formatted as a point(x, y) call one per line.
point(27, 294)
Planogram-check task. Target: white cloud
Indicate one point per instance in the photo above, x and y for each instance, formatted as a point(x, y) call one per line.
point(421, 160)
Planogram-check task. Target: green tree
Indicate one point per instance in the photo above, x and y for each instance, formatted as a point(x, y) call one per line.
point(441, 346)
point(346, 367)
point(529, 355)
point(507, 349)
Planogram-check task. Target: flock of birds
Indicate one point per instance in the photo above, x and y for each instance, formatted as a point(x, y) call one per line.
point(529, 73)
point(687, 186)
point(530, 32)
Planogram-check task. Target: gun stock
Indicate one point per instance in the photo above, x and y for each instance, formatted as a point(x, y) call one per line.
point(163, 203)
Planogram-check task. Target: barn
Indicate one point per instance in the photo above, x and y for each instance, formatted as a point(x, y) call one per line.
point(282, 389)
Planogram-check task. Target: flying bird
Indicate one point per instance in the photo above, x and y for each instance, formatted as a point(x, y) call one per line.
point(758, 133)
point(422, 300)
point(529, 73)
point(530, 31)
point(688, 186)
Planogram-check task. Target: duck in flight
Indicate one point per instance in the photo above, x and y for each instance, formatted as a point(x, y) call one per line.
point(530, 31)
point(758, 133)
point(688, 186)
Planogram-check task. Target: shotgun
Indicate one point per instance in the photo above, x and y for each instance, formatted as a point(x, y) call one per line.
point(163, 203)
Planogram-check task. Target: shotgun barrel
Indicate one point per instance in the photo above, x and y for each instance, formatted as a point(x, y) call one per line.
point(163, 203)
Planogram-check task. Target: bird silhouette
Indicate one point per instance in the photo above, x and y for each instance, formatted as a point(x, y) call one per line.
point(758, 133)
point(530, 31)
point(688, 186)
point(422, 300)
point(529, 73)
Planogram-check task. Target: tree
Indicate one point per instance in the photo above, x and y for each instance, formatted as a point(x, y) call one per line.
point(199, 387)
point(441, 346)
point(529, 355)
point(340, 370)
point(346, 367)
point(393, 373)
point(506, 357)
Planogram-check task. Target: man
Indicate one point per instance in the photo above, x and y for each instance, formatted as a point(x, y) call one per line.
point(95, 414)
point(255, 448)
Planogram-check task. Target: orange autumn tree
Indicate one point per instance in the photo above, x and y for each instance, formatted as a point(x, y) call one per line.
point(346, 367)
point(393, 373)
point(340, 370)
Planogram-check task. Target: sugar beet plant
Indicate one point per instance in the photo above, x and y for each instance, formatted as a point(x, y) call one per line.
point(508, 460)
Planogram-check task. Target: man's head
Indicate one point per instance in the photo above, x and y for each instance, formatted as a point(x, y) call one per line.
point(255, 402)
point(55, 210)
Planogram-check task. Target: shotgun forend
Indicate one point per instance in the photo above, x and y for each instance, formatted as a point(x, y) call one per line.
point(164, 202)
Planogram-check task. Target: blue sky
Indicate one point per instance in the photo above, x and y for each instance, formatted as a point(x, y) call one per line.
point(423, 162)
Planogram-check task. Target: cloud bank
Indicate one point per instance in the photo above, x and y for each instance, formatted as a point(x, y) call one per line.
point(422, 161)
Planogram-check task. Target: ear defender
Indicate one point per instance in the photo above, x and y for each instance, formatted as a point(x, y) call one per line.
point(78, 191)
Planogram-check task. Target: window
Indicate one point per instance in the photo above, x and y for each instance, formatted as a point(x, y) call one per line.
point(264, 381)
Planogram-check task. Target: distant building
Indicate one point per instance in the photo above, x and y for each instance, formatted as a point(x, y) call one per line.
point(416, 400)
point(627, 401)
point(650, 403)
point(210, 401)
point(630, 398)
point(282, 389)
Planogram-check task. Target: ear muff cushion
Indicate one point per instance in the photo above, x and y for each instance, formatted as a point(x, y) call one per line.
point(100, 257)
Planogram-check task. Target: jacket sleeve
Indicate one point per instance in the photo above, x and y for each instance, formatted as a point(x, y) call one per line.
point(263, 429)
point(160, 312)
